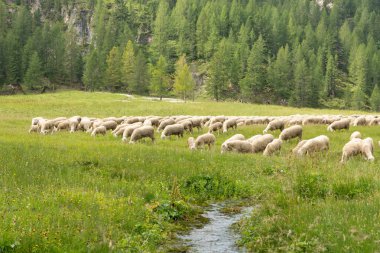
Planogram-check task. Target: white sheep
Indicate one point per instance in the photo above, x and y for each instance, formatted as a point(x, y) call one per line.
point(230, 123)
point(176, 129)
point(236, 137)
point(237, 146)
point(215, 127)
point(128, 130)
point(33, 128)
point(99, 130)
point(110, 125)
point(260, 143)
point(63, 125)
point(142, 132)
point(316, 144)
point(339, 124)
point(291, 132)
point(272, 147)
point(201, 141)
point(165, 123)
point(274, 125)
point(356, 134)
point(358, 146)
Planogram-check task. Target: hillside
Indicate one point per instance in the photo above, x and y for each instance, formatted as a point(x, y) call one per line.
point(303, 53)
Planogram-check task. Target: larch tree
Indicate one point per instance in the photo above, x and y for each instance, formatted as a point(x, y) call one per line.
point(160, 80)
point(183, 82)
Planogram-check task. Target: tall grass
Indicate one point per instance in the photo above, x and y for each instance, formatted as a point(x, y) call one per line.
point(74, 193)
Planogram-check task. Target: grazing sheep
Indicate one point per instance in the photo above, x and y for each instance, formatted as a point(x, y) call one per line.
point(355, 134)
point(260, 143)
point(147, 122)
point(338, 125)
point(215, 119)
point(85, 124)
point(46, 126)
point(360, 121)
point(142, 132)
point(358, 146)
point(216, 127)
point(272, 147)
point(299, 145)
point(176, 129)
point(118, 128)
point(316, 144)
point(253, 138)
point(128, 130)
point(197, 123)
point(62, 125)
point(110, 125)
point(99, 130)
point(165, 123)
point(236, 146)
point(74, 122)
point(36, 120)
point(200, 141)
point(33, 128)
point(231, 123)
point(291, 132)
point(187, 125)
point(274, 125)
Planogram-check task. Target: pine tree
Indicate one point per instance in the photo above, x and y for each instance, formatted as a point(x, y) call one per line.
point(161, 31)
point(331, 76)
point(160, 80)
point(183, 81)
point(128, 65)
point(92, 76)
point(375, 98)
point(113, 72)
point(34, 74)
point(254, 83)
point(141, 79)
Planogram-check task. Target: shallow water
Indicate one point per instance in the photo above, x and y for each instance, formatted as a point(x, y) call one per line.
point(217, 235)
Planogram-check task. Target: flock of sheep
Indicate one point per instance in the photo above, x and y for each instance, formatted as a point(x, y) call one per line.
point(136, 128)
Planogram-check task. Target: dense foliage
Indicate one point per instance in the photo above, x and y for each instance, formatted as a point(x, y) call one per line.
point(296, 52)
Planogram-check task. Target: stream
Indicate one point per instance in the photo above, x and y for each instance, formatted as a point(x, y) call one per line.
point(216, 235)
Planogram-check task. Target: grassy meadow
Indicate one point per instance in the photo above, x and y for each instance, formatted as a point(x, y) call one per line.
point(76, 193)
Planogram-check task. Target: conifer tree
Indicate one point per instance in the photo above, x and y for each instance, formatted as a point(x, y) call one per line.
point(183, 81)
point(113, 72)
point(128, 65)
point(34, 74)
point(160, 80)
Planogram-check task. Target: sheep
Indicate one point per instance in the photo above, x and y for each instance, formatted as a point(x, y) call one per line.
point(46, 126)
point(338, 125)
point(299, 145)
point(272, 147)
point(62, 125)
point(85, 124)
point(36, 120)
point(274, 125)
point(128, 130)
point(215, 127)
point(74, 122)
point(355, 134)
point(254, 137)
point(99, 130)
point(291, 132)
point(360, 121)
point(165, 123)
point(119, 128)
point(147, 122)
point(142, 132)
point(34, 128)
point(187, 125)
point(358, 146)
point(215, 119)
point(236, 146)
point(200, 141)
point(318, 143)
point(197, 123)
point(231, 123)
point(110, 125)
point(260, 143)
point(176, 129)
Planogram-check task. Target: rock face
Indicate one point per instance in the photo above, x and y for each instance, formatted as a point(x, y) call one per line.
point(79, 19)
point(328, 5)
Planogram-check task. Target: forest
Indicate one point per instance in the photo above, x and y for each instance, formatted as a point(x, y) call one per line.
point(301, 53)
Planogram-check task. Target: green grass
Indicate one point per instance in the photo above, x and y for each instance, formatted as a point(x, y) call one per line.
point(75, 193)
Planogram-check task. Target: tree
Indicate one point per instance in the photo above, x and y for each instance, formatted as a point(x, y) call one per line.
point(183, 81)
point(141, 79)
point(254, 83)
point(160, 81)
point(92, 76)
point(331, 76)
point(375, 98)
point(128, 65)
point(160, 30)
point(113, 72)
point(34, 74)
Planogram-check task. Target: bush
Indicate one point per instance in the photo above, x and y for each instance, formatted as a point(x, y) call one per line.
point(311, 186)
point(352, 189)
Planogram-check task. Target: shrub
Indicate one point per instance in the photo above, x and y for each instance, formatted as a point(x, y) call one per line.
point(311, 186)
